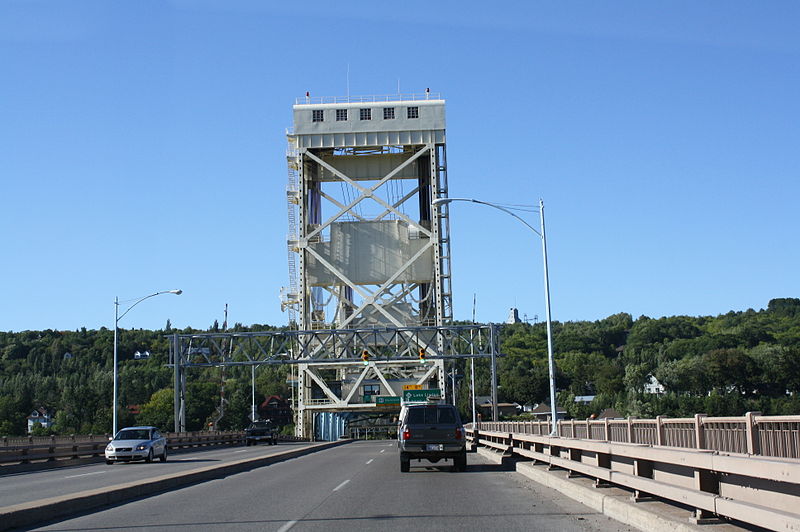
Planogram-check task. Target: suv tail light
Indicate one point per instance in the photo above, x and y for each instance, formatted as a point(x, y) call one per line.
point(459, 433)
point(406, 434)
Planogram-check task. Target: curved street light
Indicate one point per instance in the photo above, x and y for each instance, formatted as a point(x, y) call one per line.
point(542, 235)
point(118, 317)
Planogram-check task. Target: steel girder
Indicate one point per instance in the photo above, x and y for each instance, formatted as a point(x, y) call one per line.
point(393, 358)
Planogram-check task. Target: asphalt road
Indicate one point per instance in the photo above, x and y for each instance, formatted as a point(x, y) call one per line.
point(357, 486)
point(30, 486)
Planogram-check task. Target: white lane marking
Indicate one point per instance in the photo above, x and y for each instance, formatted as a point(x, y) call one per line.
point(383, 450)
point(370, 461)
point(340, 486)
point(87, 474)
point(287, 526)
point(242, 451)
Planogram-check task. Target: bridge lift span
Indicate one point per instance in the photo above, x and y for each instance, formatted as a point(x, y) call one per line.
point(366, 248)
point(369, 261)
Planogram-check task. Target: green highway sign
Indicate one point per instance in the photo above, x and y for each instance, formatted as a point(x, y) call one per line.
point(387, 400)
point(414, 396)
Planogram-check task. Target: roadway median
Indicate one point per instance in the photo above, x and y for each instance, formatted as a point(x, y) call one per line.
point(52, 508)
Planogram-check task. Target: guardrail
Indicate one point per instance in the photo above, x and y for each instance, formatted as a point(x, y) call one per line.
point(26, 450)
point(729, 467)
point(777, 436)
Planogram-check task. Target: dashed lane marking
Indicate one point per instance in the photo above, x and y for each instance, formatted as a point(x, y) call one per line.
point(286, 526)
point(340, 486)
point(87, 474)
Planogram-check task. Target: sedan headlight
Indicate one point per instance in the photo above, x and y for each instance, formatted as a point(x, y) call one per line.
point(109, 448)
point(142, 446)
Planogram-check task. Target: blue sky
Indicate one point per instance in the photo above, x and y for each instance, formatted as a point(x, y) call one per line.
point(142, 149)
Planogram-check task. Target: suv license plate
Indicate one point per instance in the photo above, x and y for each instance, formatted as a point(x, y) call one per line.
point(434, 447)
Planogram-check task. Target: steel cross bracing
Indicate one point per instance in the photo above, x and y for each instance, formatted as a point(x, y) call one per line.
point(377, 297)
point(373, 255)
point(393, 358)
point(334, 346)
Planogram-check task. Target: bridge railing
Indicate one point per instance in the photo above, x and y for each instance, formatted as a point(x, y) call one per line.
point(745, 468)
point(777, 436)
point(25, 450)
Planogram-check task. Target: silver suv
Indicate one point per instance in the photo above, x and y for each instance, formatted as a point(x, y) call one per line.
point(431, 432)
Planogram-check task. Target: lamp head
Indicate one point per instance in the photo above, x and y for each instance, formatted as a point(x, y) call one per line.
point(441, 201)
point(176, 292)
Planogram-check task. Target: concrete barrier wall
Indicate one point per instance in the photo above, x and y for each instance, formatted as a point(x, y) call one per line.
point(52, 449)
point(763, 491)
point(777, 436)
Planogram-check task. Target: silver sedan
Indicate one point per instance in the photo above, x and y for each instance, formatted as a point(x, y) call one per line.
point(137, 443)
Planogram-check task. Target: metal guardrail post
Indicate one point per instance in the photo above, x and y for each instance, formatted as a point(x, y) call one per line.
point(659, 430)
point(752, 433)
point(699, 436)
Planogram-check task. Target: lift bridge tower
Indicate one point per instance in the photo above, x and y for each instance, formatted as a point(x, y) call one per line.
point(368, 253)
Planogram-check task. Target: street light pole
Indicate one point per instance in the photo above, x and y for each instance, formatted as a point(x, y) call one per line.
point(253, 392)
point(117, 317)
point(542, 235)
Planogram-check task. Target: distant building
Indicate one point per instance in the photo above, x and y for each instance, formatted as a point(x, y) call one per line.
point(652, 385)
point(41, 416)
point(543, 412)
point(609, 413)
point(483, 404)
point(513, 316)
point(276, 409)
point(584, 399)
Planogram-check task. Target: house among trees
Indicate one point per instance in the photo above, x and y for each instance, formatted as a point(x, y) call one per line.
point(651, 385)
point(41, 416)
point(542, 412)
point(609, 413)
point(277, 409)
point(584, 399)
point(484, 406)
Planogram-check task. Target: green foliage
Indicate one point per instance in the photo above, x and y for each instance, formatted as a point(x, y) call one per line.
point(159, 410)
point(70, 374)
point(724, 365)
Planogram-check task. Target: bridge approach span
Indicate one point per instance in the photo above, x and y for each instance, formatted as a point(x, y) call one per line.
point(743, 468)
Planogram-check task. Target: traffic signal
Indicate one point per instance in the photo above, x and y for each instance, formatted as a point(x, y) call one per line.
point(422, 355)
point(365, 356)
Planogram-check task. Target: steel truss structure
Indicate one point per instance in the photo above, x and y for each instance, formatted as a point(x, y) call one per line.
point(335, 356)
point(367, 250)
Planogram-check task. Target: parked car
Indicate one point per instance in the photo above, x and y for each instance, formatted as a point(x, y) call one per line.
point(431, 432)
point(136, 443)
point(261, 430)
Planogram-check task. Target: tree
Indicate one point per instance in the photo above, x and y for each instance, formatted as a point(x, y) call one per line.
point(730, 368)
point(159, 410)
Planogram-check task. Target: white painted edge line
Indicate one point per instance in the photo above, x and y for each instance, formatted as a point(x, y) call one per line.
point(87, 474)
point(286, 526)
point(370, 461)
point(340, 486)
point(383, 450)
point(241, 451)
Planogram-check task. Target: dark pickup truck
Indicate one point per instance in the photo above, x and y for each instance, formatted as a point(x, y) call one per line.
point(431, 432)
point(259, 431)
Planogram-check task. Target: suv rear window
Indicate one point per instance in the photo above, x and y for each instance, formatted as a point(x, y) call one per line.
point(431, 415)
